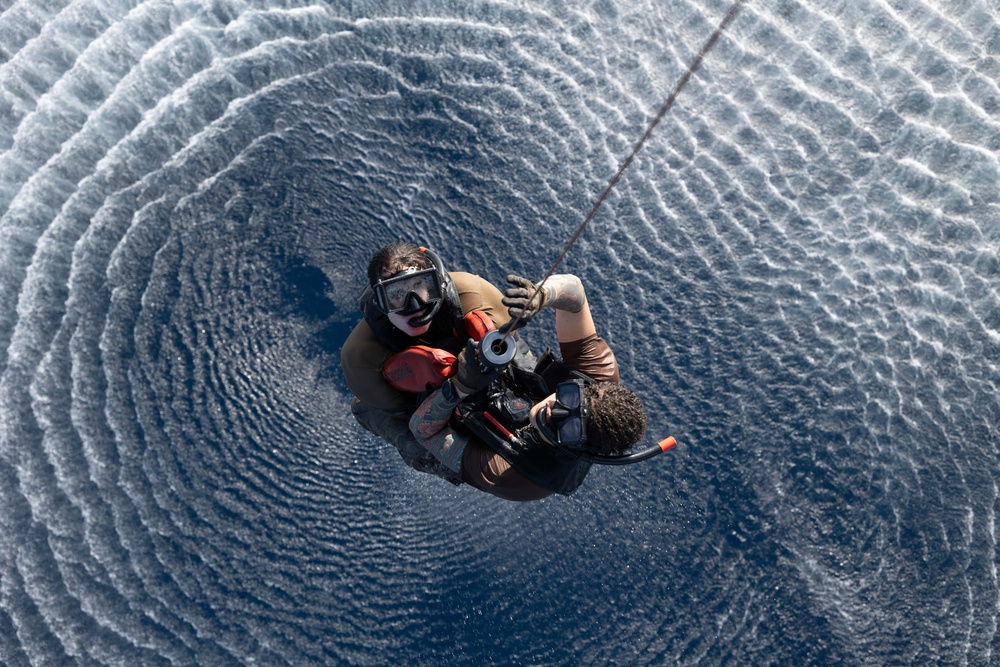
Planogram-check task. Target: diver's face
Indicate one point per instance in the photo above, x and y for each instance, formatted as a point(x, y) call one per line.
point(400, 321)
point(542, 413)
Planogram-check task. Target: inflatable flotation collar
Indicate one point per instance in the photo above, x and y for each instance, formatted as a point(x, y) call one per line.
point(418, 368)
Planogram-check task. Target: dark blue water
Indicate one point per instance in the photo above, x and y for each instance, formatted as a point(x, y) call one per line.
point(799, 273)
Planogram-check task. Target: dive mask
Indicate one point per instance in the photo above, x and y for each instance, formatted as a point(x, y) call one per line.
point(567, 423)
point(409, 291)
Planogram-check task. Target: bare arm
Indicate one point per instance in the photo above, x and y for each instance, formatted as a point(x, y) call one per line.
point(564, 292)
point(566, 295)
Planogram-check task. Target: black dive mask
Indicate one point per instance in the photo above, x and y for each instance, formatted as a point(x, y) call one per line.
point(567, 425)
point(410, 292)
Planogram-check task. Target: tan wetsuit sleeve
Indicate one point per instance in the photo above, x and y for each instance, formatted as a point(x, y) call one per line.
point(478, 294)
point(591, 356)
point(361, 360)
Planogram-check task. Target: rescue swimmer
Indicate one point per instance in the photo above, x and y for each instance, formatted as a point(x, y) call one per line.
point(524, 435)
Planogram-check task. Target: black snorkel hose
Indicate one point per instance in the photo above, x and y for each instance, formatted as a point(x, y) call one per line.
point(632, 457)
point(498, 348)
point(600, 459)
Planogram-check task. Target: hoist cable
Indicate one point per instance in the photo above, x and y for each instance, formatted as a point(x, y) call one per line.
point(692, 68)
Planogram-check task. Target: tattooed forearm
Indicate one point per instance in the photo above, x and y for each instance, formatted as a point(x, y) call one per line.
point(565, 292)
point(429, 424)
point(431, 416)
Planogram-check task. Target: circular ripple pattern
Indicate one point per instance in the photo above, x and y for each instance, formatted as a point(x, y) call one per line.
point(800, 275)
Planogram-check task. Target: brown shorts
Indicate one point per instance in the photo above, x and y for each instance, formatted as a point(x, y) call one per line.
point(488, 471)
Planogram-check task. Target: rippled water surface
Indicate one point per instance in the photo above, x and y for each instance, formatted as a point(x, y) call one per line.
point(799, 273)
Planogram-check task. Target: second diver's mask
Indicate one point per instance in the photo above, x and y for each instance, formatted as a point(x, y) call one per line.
point(567, 424)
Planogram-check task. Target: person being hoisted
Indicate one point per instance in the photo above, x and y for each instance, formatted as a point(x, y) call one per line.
point(524, 435)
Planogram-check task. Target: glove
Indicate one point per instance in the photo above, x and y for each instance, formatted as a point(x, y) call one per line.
point(516, 299)
point(471, 377)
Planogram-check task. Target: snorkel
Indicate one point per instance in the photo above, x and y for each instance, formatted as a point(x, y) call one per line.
point(631, 457)
point(528, 435)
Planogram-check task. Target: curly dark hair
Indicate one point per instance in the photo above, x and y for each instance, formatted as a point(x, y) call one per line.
point(617, 418)
point(395, 257)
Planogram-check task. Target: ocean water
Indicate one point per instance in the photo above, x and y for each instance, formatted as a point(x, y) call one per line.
point(799, 273)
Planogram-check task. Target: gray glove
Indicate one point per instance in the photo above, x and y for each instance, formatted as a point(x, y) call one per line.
point(470, 376)
point(516, 299)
